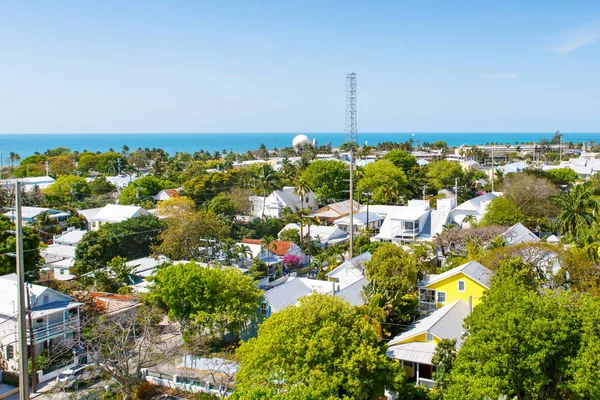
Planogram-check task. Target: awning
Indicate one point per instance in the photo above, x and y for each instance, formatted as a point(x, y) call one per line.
point(418, 352)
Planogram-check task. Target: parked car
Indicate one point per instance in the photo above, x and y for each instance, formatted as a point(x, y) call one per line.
point(77, 375)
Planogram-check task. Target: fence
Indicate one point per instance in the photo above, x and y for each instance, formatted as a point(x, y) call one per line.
point(10, 378)
point(184, 383)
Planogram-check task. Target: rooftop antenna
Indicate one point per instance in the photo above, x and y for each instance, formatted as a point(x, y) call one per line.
point(351, 125)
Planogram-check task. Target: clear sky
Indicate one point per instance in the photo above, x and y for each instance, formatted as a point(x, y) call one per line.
point(278, 66)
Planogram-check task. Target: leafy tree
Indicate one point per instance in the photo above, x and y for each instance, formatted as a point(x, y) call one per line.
point(392, 270)
point(109, 162)
point(129, 239)
point(188, 231)
point(290, 235)
point(443, 360)
point(66, 189)
point(586, 375)
point(502, 211)
point(518, 343)
point(31, 244)
point(222, 204)
point(562, 176)
point(320, 349)
point(143, 188)
point(532, 195)
point(442, 174)
point(259, 228)
point(328, 179)
point(401, 159)
point(181, 204)
point(100, 186)
point(214, 300)
point(578, 208)
point(380, 175)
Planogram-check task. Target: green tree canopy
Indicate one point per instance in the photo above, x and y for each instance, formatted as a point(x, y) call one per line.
point(66, 188)
point(320, 349)
point(531, 194)
point(377, 177)
point(329, 180)
point(442, 174)
point(212, 299)
point(401, 159)
point(142, 188)
point(31, 244)
point(188, 231)
point(562, 176)
point(129, 239)
point(578, 208)
point(518, 343)
point(501, 211)
point(222, 204)
point(392, 270)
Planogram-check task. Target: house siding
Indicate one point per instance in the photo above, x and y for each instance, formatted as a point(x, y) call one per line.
point(450, 287)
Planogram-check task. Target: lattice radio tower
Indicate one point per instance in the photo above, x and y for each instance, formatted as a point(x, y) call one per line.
point(351, 126)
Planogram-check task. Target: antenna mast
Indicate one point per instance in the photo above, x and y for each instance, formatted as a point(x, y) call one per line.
point(351, 125)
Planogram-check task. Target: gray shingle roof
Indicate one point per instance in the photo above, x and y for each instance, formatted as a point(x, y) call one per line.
point(472, 269)
point(518, 233)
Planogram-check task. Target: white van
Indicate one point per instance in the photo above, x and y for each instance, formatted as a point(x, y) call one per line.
point(79, 373)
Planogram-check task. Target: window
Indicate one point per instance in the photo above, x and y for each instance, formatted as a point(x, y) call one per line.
point(429, 337)
point(10, 352)
point(263, 309)
point(461, 286)
point(441, 297)
point(46, 299)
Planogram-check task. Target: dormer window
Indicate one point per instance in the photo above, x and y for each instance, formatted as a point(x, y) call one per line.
point(461, 286)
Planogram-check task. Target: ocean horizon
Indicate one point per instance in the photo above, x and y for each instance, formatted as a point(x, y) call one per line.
point(26, 144)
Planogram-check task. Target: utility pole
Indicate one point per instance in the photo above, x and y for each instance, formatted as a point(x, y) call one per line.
point(47, 168)
point(368, 195)
point(493, 172)
point(31, 344)
point(455, 191)
point(22, 329)
point(424, 191)
point(351, 203)
point(1, 166)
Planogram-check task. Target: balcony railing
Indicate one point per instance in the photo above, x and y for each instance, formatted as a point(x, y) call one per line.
point(43, 332)
point(429, 383)
point(405, 232)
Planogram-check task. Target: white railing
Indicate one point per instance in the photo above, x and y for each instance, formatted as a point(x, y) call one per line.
point(44, 332)
point(429, 383)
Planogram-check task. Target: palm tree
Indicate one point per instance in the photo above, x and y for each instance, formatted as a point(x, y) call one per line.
point(578, 208)
point(301, 189)
point(267, 180)
point(243, 252)
point(268, 243)
point(229, 250)
point(471, 220)
point(43, 220)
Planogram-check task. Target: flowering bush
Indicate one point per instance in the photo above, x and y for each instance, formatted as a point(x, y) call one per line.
point(292, 261)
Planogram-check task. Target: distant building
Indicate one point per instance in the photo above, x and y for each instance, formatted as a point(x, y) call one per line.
point(334, 211)
point(28, 184)
point(29, 214)
point(323, 236)
point(278, 200)
point(110, 213)
point(475, 207)
point(166, 194)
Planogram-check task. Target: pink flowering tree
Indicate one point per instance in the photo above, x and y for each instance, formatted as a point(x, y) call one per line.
point(292, 261)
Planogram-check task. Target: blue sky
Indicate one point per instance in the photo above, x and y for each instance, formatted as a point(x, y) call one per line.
point(278, 66)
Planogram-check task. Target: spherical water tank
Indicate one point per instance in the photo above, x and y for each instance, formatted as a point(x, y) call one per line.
point(299, 140)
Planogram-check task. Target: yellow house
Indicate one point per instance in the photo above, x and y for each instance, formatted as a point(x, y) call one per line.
point(466, 282)
point(415, 347)
point(448, 297)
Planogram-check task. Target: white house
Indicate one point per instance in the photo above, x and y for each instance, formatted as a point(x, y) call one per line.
point(280, 249)
point(350, 271)
point(323, 236)
point(29, 214)
point(110, 213)
point(360, 221)
point(55, 316)
point(166, 194)
point(518, 233)
point(475, 207)
point(60, 255)
point(280, 199)
point(28, 184)
point(403, 224)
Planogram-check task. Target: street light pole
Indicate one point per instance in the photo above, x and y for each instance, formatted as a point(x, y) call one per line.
point(22, 329)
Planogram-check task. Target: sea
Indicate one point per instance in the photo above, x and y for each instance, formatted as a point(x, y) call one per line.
point(27, 144)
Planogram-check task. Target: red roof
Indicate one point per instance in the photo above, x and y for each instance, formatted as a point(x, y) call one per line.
point(281, 247)
point(172, 192)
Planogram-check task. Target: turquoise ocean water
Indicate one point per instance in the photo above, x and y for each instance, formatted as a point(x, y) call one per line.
point(27, 144)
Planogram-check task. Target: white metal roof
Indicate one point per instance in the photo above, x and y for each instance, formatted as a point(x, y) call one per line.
point(418, 352)
point(444, 323)
point(117, 213)
point(472, 269)
point(73, 236)
point(518, 233)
